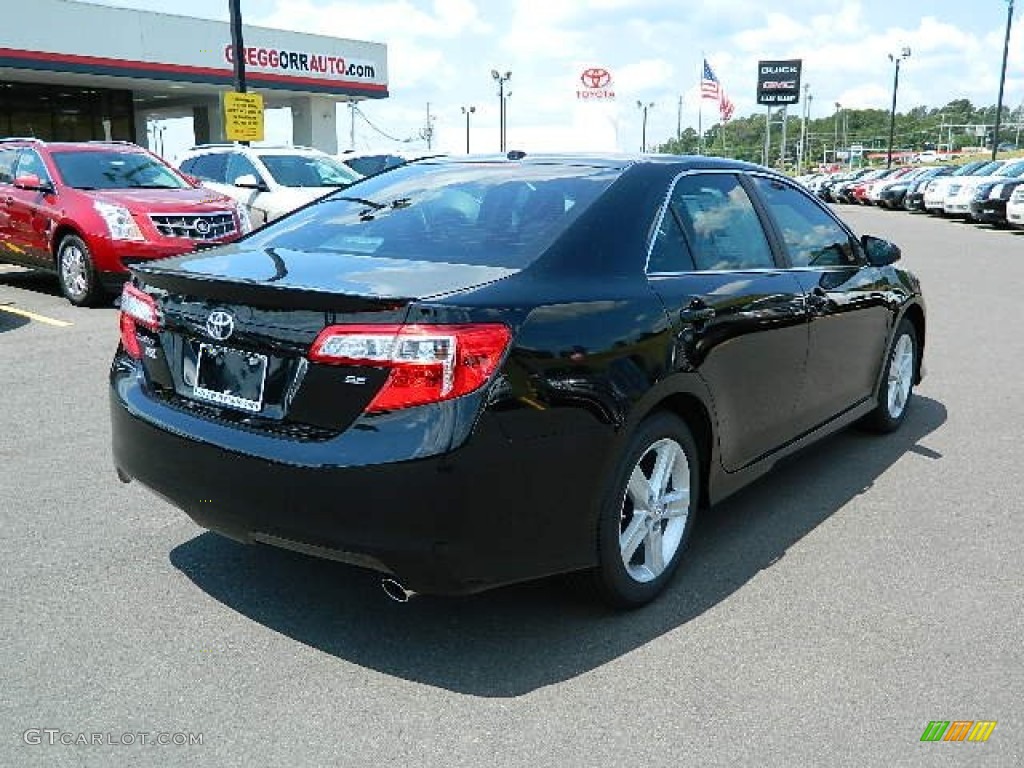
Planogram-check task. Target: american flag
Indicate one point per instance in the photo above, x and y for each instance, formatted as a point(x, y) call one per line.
point(710, 88)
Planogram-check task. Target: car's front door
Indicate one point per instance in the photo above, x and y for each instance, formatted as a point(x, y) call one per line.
point(255, 198)
point(31, 211)
point(848, 301)
point(739, 318)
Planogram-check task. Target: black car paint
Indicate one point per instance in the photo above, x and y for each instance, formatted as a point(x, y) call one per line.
point(502, 485)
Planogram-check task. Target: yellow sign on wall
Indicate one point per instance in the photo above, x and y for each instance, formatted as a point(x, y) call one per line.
point(243, 116)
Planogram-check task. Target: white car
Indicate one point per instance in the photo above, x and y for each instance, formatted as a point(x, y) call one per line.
point(937, 189)
point(1015, 208)
point(268, 181)
point(960, 194)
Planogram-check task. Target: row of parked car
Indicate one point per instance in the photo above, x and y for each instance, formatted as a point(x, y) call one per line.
point(983, 191)
point(85, 211)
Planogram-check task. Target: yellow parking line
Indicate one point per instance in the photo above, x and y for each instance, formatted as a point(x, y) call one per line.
point(34, 316)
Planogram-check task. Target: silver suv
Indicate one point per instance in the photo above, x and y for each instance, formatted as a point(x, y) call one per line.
point(268, 181)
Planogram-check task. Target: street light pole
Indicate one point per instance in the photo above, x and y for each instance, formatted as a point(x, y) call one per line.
point(237, 46)
point(835, 151)
point(1002, 79)
point(644, 107)
point(501, 80)
point(467, 111)
point(904, 54)
point(803, 130)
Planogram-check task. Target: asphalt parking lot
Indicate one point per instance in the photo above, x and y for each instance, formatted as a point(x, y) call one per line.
point(824, 616)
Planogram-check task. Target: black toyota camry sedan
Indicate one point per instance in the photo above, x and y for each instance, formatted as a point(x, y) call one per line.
point(470, 372)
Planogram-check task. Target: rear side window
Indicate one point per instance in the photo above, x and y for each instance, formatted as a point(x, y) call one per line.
point(812, 237)
point(240, 165)
point(670, 251)
point(463, 213)
point(211, 167)
point(8, 157)
point(720, 223)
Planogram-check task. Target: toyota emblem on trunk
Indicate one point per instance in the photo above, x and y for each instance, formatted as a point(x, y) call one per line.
point(220, 324)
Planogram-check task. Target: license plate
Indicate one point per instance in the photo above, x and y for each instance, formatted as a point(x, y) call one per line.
point(230, 377)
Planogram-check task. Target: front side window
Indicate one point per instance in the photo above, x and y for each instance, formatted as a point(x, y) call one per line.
point(291, 170)
point(463, 213)
point(30, 163)
point(812, 237)
point(113, 169)
point(720, 223)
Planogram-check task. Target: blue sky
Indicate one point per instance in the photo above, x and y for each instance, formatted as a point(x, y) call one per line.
point(442, 52)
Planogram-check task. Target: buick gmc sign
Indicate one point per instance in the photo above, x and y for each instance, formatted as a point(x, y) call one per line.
point(778, 82)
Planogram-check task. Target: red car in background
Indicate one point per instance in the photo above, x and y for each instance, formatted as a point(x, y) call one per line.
point(86, 210)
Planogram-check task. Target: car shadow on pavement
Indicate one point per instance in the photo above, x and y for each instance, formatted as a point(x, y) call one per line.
point(10, 321)
point(28, 280)
point(511, 641)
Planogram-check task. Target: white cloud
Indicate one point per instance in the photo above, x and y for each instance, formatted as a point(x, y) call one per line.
point(442, 51)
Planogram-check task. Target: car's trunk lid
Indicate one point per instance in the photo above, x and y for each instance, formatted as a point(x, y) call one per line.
point(276, 302)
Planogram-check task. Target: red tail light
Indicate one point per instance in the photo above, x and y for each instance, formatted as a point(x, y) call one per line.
point(137, 308)
point(428, 363)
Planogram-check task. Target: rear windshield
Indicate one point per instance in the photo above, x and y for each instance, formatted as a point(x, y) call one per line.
point(488, 214)
point(111, 169)
point(308, 171)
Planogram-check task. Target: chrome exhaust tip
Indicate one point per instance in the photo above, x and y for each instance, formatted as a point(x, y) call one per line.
point(396, 591)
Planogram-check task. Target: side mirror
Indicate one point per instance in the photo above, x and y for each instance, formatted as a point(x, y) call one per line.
point(881, 253)
point(249, 181)
point(32, 182)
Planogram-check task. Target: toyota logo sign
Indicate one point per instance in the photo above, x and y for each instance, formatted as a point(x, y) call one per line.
point(595, 77)
point(596, 84)
point(220, 324)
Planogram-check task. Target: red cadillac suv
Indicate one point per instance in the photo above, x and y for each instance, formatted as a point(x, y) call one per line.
point(86, 210)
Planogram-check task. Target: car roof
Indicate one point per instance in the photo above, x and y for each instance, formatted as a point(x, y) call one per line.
point(280, 149)
point(83, 146)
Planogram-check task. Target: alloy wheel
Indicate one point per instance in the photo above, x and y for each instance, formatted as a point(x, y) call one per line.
point(74, 271)
point(654, 511)
point(901, 375)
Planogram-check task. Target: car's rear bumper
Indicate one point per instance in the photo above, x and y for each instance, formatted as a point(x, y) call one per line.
point(487, 513)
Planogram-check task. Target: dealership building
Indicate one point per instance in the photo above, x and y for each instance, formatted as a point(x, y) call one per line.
point(76, 71)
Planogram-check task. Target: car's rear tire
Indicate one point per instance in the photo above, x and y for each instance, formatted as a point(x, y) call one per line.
point(76, 272)
point(897, 387)
point(647, 512)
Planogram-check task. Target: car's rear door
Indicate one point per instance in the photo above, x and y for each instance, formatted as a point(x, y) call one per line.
point(848, 301)
point(739, 317)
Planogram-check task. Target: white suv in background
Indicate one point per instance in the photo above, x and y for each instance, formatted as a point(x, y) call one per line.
point(268, 181)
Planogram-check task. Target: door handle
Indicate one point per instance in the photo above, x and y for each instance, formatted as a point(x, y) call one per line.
point(696, 312)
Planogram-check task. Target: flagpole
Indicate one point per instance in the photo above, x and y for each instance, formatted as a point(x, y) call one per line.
point(700, 107)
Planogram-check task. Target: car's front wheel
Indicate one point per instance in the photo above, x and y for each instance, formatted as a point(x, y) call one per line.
point(897, 386)
point(75, 270)
point(648, 512)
